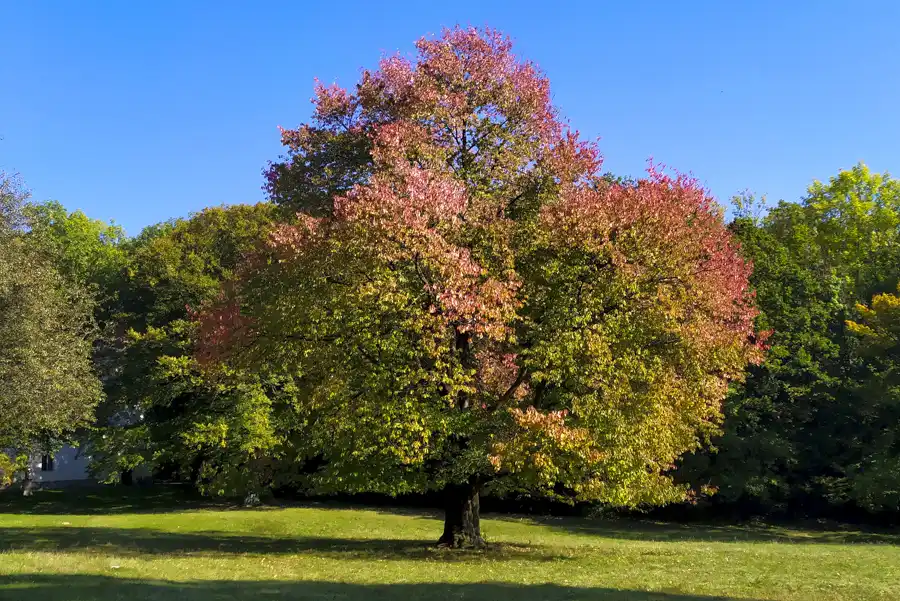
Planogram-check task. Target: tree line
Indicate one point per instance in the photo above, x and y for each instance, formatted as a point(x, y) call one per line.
point(445, 292)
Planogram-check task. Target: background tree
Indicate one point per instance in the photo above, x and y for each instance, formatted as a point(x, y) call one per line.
point(84, 249)
point(477, 307)
point(92, 253)
point(46, 336)
point(795, 431)
point(873, 474)
point(162, 412)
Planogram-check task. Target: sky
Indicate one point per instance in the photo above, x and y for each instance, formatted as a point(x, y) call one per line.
point(137, 112)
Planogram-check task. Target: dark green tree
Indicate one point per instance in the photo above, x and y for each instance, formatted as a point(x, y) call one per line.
point(795, 430)
point(163, 412)
point(873, 472)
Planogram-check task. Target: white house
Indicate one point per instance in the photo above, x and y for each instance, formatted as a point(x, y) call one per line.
point(69, 464)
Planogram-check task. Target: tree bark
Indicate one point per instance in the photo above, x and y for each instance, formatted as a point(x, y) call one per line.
point(463, 344)
point(462, 516)
point(196, 466)
point(28, 479)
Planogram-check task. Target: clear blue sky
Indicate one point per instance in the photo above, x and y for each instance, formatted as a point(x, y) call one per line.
point(141, 111)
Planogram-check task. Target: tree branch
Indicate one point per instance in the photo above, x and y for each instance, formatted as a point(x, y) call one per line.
point(520, 378)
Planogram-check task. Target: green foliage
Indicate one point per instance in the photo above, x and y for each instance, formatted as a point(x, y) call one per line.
point(12, 198)
point(874, 475)
point(163, 412)
point(9, 467)
point(84, 249)
point(807, 428)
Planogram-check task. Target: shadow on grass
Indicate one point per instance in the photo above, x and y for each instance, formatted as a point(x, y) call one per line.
point(164, 498)
point(673, 532)
point(103, 588)
point(141, 542)
point(112, 500)
point(109, 500)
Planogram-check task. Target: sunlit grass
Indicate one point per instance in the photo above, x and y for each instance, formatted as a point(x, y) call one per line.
point(156, 546)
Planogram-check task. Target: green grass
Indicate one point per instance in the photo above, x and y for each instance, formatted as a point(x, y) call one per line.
point(159, 546)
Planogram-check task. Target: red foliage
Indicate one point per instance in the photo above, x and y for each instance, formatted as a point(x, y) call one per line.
point(462, 73)
point(669, 225)
point(436, 110)
point(221, 328)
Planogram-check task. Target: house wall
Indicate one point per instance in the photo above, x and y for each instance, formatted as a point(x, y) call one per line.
point(68, 465)
point(71, 465)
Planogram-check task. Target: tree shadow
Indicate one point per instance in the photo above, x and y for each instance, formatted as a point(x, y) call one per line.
point(113, 500)
point(97, 499)
point(102, 588)
point(647, 530)
point(127, 542)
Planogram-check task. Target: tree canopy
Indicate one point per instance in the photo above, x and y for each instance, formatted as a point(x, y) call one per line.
point(476, 306)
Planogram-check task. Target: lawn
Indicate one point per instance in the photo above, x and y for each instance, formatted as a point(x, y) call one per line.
point(151, 545)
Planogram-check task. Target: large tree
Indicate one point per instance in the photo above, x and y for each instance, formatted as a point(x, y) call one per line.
point(46, 335)
point(464, 302)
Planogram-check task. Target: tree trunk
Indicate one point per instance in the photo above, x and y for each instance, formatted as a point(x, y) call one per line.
point(462, 517)
point(28, 479)
point(196, 467)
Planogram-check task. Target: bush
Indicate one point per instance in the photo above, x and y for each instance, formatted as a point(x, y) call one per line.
point(8, 469)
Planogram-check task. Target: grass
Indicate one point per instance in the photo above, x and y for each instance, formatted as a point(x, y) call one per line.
point(158, 545)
